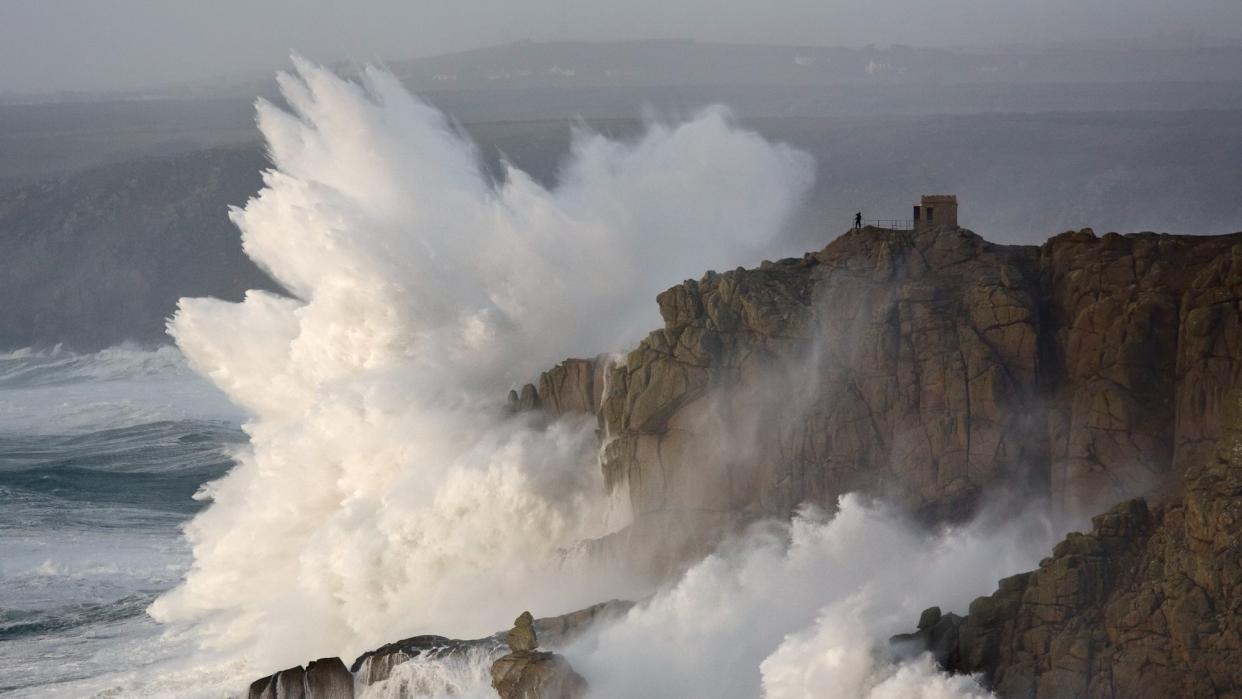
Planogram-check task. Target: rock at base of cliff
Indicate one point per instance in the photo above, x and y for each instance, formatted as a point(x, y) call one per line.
point(536, 675)
point(326, 678)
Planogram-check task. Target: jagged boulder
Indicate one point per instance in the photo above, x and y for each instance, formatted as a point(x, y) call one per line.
point(326, 678)
point(526, 673)
point(522, 636)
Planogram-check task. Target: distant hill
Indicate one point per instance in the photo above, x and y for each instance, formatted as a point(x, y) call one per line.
point(47, 135)
point(101, 256)
point(676, 62)
point(681, 62)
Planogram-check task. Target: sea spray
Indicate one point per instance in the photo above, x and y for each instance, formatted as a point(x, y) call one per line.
point(384, 491)
point(804, 609)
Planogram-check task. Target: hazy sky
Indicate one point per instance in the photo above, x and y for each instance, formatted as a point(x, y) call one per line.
point(48, 45)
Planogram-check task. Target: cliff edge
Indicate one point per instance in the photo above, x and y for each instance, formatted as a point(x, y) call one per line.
point(932, 368)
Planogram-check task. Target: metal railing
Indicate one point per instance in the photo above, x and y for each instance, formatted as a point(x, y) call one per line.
point(895, 224)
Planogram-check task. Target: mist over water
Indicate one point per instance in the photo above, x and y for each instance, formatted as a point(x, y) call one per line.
point(805, 609)
point(385, 492)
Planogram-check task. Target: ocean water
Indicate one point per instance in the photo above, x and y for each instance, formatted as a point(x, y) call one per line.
point(100, 459)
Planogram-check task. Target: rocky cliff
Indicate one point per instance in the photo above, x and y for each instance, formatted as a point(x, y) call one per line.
point(1147, 604)
point(937, 370)
point(934, 369)
point(931, 368)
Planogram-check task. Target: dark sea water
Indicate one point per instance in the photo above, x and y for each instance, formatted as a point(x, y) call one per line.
point(100, 459)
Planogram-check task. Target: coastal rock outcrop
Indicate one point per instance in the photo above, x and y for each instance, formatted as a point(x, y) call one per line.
point(929, 368)
point(936, 369)
point(329, 678)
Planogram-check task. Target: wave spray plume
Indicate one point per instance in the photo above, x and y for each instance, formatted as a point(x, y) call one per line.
point(383, 492)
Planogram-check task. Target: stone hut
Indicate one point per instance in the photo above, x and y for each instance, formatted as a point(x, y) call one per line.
point(936, 210)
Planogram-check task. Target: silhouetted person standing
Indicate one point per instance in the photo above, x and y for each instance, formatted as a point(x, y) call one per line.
point(858, 220)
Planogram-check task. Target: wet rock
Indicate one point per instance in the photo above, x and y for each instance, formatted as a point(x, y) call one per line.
point(937, 633)
point(286, 684)
point(377, 665)
point(536, 675)
point(326, 678)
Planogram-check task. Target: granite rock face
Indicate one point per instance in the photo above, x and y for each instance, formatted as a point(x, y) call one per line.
point(1144, 338)
point(930, 368)
point(573, 386)
point(1147, 604)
